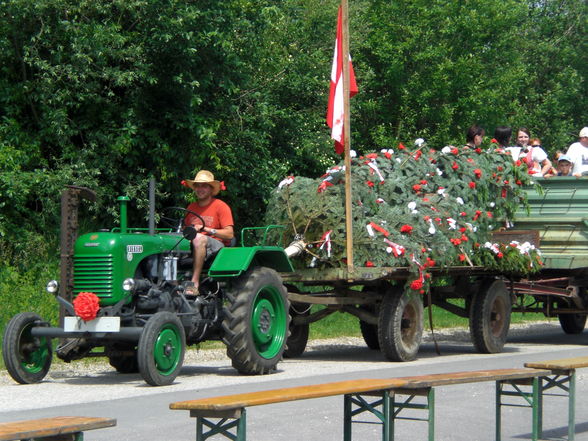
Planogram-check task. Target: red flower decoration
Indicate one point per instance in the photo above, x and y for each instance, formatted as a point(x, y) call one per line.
point(369, 183)
point(371, 155)
point(416, 188)
point(454, 151)
point(86, 306)
point(500, 255)
point(478, 150)
point(518, 182)
point(401, 146)
point(478, 173)
point(423, 182)
point(462, 257)
point(494, 141)
point(388, 155)
point(223, 187)
point(417, 285)
point(406, 229)
point(369, 263)
point(184, 183)
point(472, 185)
point(455, 241)
point(417, 155)
point(454, 166)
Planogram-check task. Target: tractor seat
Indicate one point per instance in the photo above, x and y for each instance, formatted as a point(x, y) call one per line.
point(186, 262)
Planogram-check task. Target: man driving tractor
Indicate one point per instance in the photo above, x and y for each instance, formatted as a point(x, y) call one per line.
point(218, 223)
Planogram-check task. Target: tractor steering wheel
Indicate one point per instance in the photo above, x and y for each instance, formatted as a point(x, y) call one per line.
point(178, 223)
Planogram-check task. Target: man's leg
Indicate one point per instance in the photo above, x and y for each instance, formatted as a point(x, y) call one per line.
point(199, 244)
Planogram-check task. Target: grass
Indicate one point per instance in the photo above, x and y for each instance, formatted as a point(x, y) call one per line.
point(346, 325)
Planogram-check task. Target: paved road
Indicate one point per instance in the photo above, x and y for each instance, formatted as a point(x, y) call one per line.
point(464, 413)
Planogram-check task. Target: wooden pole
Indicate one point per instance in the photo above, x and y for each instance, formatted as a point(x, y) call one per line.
point(346, 135)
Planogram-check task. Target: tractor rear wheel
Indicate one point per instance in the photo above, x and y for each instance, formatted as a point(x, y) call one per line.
point(160, 353)
point(256, 321)
point(27, 358)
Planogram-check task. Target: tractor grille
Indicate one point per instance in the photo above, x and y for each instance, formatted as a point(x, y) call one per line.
point(93, 274)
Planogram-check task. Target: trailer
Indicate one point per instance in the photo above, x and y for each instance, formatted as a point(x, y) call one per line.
point(392, 319)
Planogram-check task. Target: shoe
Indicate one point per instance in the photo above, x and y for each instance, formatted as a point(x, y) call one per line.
point(189, 289)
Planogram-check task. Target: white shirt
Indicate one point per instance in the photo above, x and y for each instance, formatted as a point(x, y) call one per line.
point(579, 156)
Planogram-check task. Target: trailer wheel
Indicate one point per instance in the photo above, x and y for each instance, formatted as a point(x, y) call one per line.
point(369, 333)
point(27, 358)
point(490, 317)
point(572, 323)
point(400, 325)
point(160, 353)
point(298, 338)
point(256, 321)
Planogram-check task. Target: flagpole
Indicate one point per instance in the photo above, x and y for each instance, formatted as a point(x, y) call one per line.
point(346, 134)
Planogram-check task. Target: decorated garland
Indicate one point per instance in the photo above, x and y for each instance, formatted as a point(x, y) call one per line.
point(418, 208)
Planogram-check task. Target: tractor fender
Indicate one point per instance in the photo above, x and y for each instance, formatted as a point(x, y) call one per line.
point(232, 262)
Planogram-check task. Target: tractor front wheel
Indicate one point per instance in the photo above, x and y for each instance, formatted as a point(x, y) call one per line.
point(160, 353)
point(256, 321)
point(27, 358)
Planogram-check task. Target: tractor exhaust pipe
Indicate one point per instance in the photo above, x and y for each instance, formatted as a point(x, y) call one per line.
point(152, 206)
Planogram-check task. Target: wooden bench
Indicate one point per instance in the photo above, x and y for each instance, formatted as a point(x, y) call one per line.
point(562, 376)
point(65, 428)
point(374, 396)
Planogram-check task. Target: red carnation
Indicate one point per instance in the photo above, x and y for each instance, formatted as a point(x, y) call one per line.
point(369, 183)
point(472, 185)
point(417, 155)
point(478, 173)
point(423, 182)
point(455, 242)
point(371, 155)
point(416, 188)
point(494, 141)
point(388, 155)
point(86, 306)
point(369, 263)
point(401, 146)
point(478, 150)
point(500, 255)
point(462, 257)
point(454, 151)
point(454, 166)
point(406, 229)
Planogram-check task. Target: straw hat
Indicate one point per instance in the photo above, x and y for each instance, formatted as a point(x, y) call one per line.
point(205, 177)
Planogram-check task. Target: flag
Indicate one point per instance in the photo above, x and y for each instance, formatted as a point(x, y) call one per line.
point(335, 110)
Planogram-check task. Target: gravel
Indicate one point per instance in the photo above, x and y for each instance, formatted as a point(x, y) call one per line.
point(195, 356)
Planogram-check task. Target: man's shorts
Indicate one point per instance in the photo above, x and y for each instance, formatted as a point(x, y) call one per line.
point(213, 246)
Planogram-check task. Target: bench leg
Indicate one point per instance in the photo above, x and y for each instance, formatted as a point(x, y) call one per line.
point(362, 405)
point(398, 406)
point(564, 380)
point(222, 427)
point(533, 399)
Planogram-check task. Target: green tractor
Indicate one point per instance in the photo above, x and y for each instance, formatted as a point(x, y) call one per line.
point(145, 319)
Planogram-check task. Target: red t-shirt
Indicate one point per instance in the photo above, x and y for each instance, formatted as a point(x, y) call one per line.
point(216, 215)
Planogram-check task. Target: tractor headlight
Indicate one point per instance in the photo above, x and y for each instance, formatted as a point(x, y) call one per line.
point(52, 287)
point(128, 285)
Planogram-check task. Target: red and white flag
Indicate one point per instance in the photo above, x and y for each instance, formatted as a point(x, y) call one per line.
point(335, 110)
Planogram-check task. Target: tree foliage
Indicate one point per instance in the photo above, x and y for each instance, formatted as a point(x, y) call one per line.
point(108, 93)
